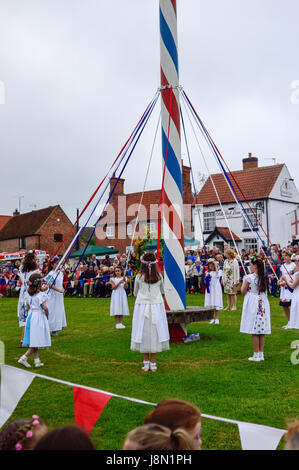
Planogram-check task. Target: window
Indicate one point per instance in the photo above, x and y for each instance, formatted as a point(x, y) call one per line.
point(151, 227)
point(209, 221)
point(250, 243)
point(22, 243)
point(110, 231)
point(58, 237)
point(129, 230)
point(252, 219)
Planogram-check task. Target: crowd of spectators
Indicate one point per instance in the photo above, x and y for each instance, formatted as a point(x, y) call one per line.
point(90, 277)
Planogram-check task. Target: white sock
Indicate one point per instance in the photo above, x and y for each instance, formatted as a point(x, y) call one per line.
point(256, 354)
point(261, 354)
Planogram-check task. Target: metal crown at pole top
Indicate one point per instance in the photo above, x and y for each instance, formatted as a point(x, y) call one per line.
point(173, 219)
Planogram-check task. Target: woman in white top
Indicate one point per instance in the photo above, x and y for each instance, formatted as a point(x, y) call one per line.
point(150, 333)
point(230, 277)
point(256, 319)
point(294, 284)
point(286, 295)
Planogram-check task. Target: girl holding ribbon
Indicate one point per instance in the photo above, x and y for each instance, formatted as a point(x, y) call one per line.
point(150, 333)
point(213, 294)
point(256, 319)
point(37, 332)
point(57, 320)
point(286, 271)
point(119, 302)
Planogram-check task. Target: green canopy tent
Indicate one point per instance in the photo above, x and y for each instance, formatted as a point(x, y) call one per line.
point(94, 250)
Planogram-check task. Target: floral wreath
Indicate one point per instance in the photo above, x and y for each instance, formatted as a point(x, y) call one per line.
point(255, 259)
point(148, 263)
point(36, 281)
point(287, 252)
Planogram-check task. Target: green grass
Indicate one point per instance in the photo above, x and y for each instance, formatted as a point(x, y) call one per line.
point(213, 373)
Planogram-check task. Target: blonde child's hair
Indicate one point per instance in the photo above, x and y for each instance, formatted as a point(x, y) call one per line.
point(157, 437)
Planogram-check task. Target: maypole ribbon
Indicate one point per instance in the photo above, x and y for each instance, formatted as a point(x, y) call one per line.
point(215, 150)
point(97, 189)
point(141, 127)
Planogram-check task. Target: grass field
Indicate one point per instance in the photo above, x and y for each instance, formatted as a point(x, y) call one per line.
point(213, 373)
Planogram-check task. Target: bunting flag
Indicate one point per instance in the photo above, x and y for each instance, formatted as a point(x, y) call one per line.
point(256, 437)
point(90, 402)
point(88, 407)
point(14, 383)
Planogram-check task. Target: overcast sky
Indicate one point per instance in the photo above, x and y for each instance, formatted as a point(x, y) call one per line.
point(79, 73)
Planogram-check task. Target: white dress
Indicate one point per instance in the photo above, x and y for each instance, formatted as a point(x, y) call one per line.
point(294, 314)
point(37, 332)
point(214, 297)
point(256, 309)
point(22, 312)
point(119, 301)
point(55, 302)
point(150, 332)
point(285, 294)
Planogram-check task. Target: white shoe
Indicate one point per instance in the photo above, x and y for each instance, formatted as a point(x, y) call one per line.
point(286, 327)
point(121, 326)
point(146, 366)
point(24, 362)
point(153, 366)
point(211, 322)
point(38, 363)
point(254, 359)
point(217, 322)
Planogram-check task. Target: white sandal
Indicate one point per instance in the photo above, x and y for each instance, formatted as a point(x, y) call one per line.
point(146, 366)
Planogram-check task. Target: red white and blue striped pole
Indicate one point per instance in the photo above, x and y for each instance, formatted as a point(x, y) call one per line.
point(173, 231)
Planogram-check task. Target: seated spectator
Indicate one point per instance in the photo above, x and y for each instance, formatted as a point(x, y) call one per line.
point(66, 438)
point(81, 280)
point(156, 437)
point(89, 281)
point(100, 283)
point(107, 261)
point(174, 414)
point(3, 284)
point(15, 283)
point(22, 434)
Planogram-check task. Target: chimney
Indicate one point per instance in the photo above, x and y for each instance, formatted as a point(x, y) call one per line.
point(250, 162)
point(16, 212)
point(186, 171)
point(119, 189)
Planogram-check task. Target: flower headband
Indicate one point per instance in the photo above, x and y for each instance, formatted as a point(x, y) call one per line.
point(287, 252)
point(35, 282)
point(148, 263)
point(29, 434)
point(256, 258)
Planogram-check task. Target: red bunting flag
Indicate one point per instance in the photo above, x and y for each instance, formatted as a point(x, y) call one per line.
point(88, 407)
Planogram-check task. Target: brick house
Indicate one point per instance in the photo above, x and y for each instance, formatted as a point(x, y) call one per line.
point(3, 220)
point(40, 229)
point(117, 225)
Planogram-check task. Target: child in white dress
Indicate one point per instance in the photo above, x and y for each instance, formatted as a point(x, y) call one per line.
point(286, 270)
point(119, 302)
point(37, 332)
point(213, 294)
point(294, 284)
point(55, 302)
point(150, 333)
point(28, 267)
point(256, 319)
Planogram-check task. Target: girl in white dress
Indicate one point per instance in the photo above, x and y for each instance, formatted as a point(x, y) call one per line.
point(286, 270)
point(119, 302)
point(55, 302)
point(213, 294)
point(37, 332)
point(256, 319)
point(150, 333)
point(28, 267)
point(294, 284)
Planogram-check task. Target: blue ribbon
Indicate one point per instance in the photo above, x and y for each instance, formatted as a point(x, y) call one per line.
point(208, 282)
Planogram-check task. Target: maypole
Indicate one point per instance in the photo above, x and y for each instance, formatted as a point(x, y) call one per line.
point(173, 218)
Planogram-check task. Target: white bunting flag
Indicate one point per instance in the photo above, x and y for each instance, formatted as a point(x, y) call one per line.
point(14, 383)
point(255, 437)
